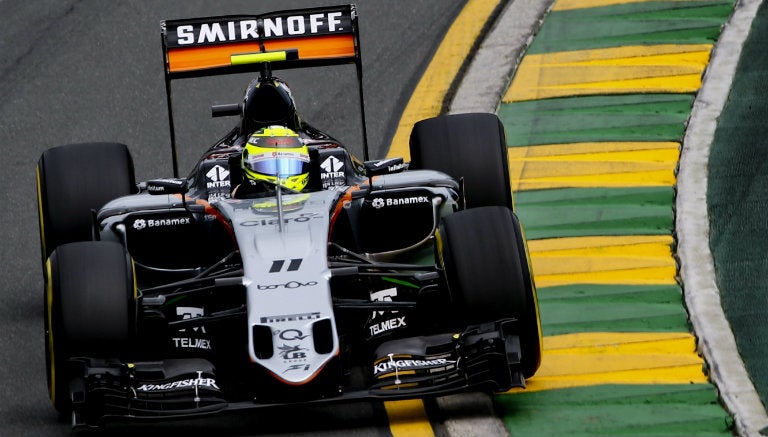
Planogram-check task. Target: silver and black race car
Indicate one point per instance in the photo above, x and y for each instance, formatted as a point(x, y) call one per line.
point(382, 279)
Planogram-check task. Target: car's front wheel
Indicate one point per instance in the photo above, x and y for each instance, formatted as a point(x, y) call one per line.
point(89, 309)
point(488, 274)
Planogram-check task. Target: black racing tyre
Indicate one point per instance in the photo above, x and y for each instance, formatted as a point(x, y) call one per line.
point(468, 146)
point(89, 309)
point(488, 274)
point(74, 179)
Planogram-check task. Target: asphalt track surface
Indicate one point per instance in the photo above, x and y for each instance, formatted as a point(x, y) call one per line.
point(78, 71)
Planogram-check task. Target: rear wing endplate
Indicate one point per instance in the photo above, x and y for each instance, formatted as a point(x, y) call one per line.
point(297, 38)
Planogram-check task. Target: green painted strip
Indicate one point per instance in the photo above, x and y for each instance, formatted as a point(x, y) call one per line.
point(611, 308)
point(643, 23)
point(578, 212)
point(619, 294)
point(635, 117)
point(616, 410)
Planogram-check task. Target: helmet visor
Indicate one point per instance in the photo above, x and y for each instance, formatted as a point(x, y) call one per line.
point(278, 163)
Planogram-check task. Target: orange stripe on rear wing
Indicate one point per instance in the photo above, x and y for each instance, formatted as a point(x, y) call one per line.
point(320, 48)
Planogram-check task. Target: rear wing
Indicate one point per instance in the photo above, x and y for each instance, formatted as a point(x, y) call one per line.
point(298, 38)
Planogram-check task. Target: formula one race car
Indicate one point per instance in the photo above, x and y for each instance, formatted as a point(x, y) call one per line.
point(282, 269)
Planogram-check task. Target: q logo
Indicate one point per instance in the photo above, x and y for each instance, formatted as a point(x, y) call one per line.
point(292, 334)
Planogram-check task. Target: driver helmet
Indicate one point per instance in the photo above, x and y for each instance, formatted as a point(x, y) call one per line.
point(268, 102)
point(276, 152)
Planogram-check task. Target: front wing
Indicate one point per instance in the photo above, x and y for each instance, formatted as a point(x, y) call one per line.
point(482, 358)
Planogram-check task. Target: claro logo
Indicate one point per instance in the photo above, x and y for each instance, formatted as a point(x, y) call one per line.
point(301, 218)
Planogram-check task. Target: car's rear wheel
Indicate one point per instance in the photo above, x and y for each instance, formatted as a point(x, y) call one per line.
point(471, 147)
point(73, 180)
point(89, 309)
point(488, 274)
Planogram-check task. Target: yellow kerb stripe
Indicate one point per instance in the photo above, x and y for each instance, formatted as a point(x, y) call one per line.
point(408, 418)
point(585, 359)
point(626, 164)
point(667, 68)
point(564, 5)
point(627, 260)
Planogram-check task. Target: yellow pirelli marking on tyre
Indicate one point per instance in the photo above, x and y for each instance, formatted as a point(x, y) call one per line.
point(40, 211)
point(49, 321)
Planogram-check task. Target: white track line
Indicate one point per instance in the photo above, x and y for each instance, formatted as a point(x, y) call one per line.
point(496, 60)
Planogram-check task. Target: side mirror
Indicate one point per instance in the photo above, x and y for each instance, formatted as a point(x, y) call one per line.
point(167, 186)
point(384, 166)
